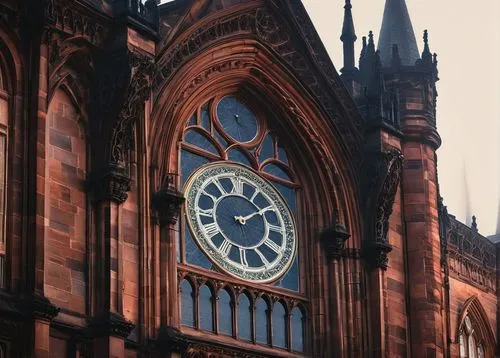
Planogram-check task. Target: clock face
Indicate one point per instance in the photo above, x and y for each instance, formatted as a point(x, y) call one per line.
point(237, 119)
point(240, 221)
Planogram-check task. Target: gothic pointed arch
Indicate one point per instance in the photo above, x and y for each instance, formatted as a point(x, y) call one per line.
point(474, 333)
point(315, 170)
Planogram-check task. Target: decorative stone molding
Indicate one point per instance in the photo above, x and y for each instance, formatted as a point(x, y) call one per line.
point(382, 178)
point(42, 308)
point(167, 203)
point(110, 184)
point(264, 24)
point(470, 257)
point(110, 324)
point(333, 239)
point(122, 87)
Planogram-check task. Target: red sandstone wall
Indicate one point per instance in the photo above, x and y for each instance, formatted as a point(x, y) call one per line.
point(66, 170)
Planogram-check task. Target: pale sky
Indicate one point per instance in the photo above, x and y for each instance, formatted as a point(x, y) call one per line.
point(466, 37)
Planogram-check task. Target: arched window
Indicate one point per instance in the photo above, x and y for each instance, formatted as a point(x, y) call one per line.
point(187, 304)
point(470, 347)
point(228, 129)
point(279, 325)
point(261, 321)
point(297, 328)
point(225, 313)
point(244, 317)
point(222, 214)
point(206, 308)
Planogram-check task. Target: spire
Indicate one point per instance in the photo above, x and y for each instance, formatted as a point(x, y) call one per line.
point(348, 37)
point(397, 29)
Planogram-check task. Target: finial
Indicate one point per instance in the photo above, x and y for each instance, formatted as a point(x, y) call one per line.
point(426, 54)
point(474, 223)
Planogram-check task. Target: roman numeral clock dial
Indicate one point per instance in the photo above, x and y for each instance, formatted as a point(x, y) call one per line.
point(240, 221)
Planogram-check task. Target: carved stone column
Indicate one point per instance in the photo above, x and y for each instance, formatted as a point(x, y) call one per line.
point(166, 206)
point(333, 239)
point(108, 328)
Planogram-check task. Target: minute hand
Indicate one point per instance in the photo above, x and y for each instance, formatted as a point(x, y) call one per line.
point(260, 212)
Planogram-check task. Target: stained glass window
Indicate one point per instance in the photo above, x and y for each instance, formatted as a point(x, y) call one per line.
point(225, 313)
point(244, 317)
point(206, 309)
point(279, 325)
point(187, 304)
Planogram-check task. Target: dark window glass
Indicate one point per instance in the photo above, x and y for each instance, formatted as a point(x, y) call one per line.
point(279, 325)
point(290, 280)
point(261, 322)
point(197, 139)
point(237, 156)
point(192, 120)
point(297, 326)
point(244, 318)
point(187, 304)
point(189, 163)
point(225, 312)
point(282, 155)
point(276, 171)
point(193, 253)
point(205, 119)
point(237, 119)
point(267, 148)
point(206, 309)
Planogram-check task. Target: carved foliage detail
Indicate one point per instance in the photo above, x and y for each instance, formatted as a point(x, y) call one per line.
point(167, 203)
point(141, 68)
point(383, 179)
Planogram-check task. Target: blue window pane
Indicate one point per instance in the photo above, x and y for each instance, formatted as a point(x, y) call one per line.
point(290, 280)
point(192, 120)
point(237, 119)
point(237, 156)
point(267, 148)
point(194, 255)
point(205, 118)
point(282, 156)
point(276, 171)
point(225, 313)
point(244, 318)
point(206, 309)
point(289, 195)
point(279, 325)
point(261, 322)
point(189, 163)
point(297, 326)
point(199, 140)
point(218, 137)
point(187, 304)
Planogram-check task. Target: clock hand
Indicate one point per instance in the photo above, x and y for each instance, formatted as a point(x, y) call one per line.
point(242, 219)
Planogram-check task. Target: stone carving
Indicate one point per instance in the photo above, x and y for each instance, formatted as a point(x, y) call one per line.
point(263, 24)
point(110, 323)
point(470, 256)
point(110, 184)
point(334, 238)
point(385, 173)
point(167, 203)
point(67, 17)
point(141, 68)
